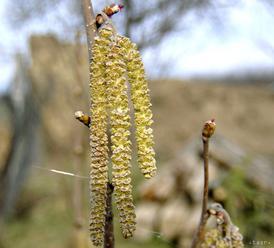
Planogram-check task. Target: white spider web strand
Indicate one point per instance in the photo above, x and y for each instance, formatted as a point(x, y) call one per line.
point(60, 172)
point(155, 234)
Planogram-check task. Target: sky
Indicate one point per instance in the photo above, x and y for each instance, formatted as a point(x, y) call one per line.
point(243, 45)
point(246, 42)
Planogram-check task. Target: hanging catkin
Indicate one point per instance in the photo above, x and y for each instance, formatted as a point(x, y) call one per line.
point(116, 61)
point(120, 143)
point(142, 106)
point(98, 137)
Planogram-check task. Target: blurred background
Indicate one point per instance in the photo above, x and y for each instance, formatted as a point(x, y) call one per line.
point(204, 59)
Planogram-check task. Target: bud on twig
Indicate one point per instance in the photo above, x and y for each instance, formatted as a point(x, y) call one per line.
point(80, 116)
point(208, 129)
point(113, 9)
point(207, 132)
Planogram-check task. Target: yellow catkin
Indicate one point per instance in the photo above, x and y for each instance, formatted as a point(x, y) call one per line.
point(142, 106)
point(116, 60)
point(98, 138)
point(213, 238)
point(120, 142)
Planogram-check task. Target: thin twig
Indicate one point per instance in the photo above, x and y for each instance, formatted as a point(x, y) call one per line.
point(109, 234)
point(89, 18)
point(208, 131)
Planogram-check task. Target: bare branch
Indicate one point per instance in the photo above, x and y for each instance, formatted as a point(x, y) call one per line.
point(207, 132)
point(109, 235)
point(89, 18)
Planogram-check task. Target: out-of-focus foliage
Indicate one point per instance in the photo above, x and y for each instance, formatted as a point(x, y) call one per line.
point(23, 112)
point(249, 206)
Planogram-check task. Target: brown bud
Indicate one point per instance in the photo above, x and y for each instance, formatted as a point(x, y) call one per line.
point(79, 115)
point(112, 9)
point(209, 128)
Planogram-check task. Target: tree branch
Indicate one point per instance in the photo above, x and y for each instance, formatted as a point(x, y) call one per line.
point(89, 18)
point(90, 24)
point(208, 131)
point(109, 235)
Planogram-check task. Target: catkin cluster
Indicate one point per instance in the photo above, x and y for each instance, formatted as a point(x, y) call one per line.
point(213, 238)
point(115, 62)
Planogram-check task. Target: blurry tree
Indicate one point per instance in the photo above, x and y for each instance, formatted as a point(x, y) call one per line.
point(62, 15)
point(24, 121)
point(148, 22)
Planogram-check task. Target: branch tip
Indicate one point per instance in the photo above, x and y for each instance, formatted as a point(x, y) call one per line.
point(113, 9)
point(106, 13)
point(209, 129)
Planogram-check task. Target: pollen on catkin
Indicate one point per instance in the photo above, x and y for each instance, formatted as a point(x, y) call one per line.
point(120, 142)
point(142, 106)
point(98, 138)
point(115, 62)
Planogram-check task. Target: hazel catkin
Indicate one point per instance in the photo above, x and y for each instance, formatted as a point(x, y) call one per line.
point(98, 138)
point(142, 107)
point(115, 62)
point(120, 142)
